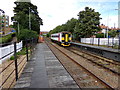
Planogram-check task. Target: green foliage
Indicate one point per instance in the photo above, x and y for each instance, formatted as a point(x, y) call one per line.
point(69, 26)
point(48, 35)
point(112, 33)
point(86, 25)
point(11, 26)
point(27, 34)
point(88, 22)
point(6, 38)
point(12, 58)
point(100, 35)
point(21, 15)
point(22, 52)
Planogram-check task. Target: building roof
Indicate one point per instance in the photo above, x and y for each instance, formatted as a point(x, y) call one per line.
point(105, 27)
point(43, 32)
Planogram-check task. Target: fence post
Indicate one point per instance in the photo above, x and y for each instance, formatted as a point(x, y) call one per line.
point(98, 41)
point(108, 41)
point(27, 49)
point(93, 41)
point(112, 42)
point(15, 56)
point(80, 40)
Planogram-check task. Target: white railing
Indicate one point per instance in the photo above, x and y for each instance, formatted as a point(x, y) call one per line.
point(7, 51)
point(101, 41)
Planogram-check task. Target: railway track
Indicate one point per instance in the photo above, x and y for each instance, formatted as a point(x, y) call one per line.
point(110, 65)
point(83, 77)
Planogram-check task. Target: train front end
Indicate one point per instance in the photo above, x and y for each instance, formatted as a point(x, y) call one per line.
point(66, 38)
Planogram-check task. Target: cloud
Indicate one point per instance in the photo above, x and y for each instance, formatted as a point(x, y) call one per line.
point(98, 0)
point(7, 6)
point(110, 21)
point(63, 10)
point(57, 12)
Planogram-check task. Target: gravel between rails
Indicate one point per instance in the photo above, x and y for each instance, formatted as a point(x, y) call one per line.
point(76, 72)
point(109, 78)
point(112, 65)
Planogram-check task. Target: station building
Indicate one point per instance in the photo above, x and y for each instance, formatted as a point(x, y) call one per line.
point(4, 23)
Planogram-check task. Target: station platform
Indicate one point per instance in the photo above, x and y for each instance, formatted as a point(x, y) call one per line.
point(109, 53)
point(44, 70)
point(99, 47)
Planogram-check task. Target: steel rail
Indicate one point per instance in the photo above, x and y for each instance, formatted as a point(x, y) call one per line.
point(115, 62)
point(100, 80)
point(61, 63)
point(115, 72)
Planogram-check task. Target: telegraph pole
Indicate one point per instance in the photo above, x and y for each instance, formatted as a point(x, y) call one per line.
point(118, 25)
point(29, 19)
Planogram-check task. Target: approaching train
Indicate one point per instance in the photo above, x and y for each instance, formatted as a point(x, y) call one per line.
point(63, 38)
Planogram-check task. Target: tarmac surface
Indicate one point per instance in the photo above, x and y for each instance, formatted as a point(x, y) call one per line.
point(44, 70)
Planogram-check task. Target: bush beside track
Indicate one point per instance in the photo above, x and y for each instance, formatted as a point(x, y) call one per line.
point(6, 39)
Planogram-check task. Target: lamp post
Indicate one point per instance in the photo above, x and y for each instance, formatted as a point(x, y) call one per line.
point(107, 26)
point(29, 20)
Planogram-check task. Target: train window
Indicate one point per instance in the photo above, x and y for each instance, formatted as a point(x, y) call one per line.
point(55, 36)
point(63, 35)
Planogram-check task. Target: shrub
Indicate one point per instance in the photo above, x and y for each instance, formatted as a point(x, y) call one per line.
point(27, 34)
point(22, 52)
point(12, 58)
point(100, 35)
point(6, 38)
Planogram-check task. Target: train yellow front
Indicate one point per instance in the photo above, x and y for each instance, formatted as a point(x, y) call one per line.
point(62, 38)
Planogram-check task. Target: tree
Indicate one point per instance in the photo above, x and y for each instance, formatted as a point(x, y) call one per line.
point(27, 34)
point(100, 35)
point(71, 25)
point(22, 11)
point(68, 26)
point(112, 33)
point(88, 22)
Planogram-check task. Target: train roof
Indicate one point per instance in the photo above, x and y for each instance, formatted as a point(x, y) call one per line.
point(61, 32)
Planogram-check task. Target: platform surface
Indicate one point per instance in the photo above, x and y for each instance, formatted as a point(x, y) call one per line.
point(98, 47)
point(44, 70)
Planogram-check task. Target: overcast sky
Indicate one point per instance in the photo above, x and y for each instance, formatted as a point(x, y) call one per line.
point(58, 12)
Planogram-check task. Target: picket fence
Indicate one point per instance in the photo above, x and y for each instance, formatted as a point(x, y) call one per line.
point(101, 41)
point(7, 51)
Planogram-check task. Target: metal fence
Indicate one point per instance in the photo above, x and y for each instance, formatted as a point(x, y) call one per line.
point(101, 41)
point(17, 65)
